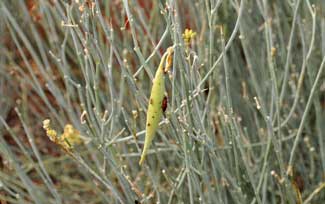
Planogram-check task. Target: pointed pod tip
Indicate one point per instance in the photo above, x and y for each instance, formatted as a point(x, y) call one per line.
point(141, 161)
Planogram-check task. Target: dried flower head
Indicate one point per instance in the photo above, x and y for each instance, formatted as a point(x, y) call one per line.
point(52, 134)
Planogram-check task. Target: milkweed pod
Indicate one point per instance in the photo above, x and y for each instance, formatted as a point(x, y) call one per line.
point(156, 100)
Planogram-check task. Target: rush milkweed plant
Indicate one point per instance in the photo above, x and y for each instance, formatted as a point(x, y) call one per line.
point(245, 115)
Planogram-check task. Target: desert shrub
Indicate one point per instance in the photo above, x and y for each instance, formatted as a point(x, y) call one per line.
point(245, 114)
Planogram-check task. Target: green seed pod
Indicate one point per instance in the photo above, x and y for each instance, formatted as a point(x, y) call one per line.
point(157, 96)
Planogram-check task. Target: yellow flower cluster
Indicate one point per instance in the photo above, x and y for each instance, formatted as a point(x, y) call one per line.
point(188, 35)
point(67, 140)
point(72, 135)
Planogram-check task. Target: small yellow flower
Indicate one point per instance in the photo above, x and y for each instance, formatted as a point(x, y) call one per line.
point(72, 135)
point(67, 140)
point(188, 35)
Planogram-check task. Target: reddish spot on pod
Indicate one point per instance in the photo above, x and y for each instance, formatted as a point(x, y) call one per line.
point(164, 104)
point(148, 124)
